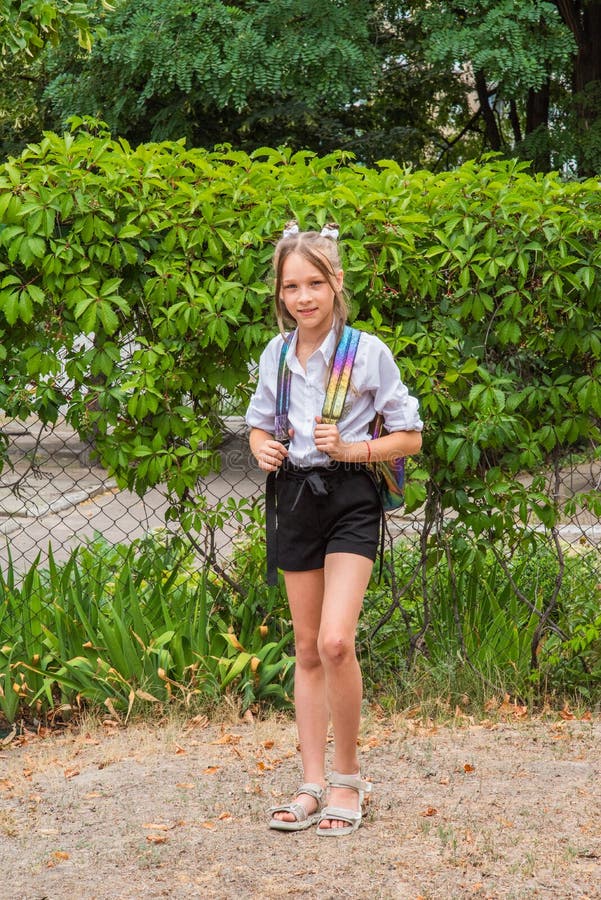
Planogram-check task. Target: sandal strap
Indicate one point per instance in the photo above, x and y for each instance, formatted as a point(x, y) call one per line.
point(313, 790)
point(354, 782)
point(344, 815)
point(296, 809)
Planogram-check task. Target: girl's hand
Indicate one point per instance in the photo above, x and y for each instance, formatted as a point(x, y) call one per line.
point(328, 440)
point(271, 455)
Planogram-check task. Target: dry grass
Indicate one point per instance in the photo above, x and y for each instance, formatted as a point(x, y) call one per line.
point(507, 806)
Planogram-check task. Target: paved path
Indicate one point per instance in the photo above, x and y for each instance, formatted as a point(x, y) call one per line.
point(65, 499)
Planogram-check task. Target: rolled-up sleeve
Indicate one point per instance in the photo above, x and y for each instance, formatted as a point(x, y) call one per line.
point(391, 398)
point(261, 409)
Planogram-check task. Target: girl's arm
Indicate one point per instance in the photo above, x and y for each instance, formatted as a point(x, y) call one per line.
point(268, 452)
point(390, 446)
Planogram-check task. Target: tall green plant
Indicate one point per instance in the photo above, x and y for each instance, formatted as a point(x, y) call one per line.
point(124, 626)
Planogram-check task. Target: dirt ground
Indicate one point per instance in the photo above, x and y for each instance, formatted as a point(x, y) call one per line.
point(504, 807)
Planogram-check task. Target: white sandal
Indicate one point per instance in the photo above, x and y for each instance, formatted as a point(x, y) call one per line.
point(303, 818)
point(352, 816)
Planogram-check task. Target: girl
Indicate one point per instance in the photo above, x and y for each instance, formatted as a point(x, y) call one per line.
point(328, 513)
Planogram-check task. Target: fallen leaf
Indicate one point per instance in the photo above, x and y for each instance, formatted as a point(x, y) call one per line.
point(429, 811)
point(200, 721)
point(157, 838)
point(469, 768)
point(60, 855)
point(158, 826)
point(185, 785)
point(144, 695)
point(253, 789)
point(225, 815)
point(70, 773)
point(210, 770)
point(509, 708)
point(268, 744)
point(179, 750)
point(228, 739)
point(209, 825)
point(92, 795)
point(109, 705)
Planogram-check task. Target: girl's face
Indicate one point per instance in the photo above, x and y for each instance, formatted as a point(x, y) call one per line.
point(306, 293)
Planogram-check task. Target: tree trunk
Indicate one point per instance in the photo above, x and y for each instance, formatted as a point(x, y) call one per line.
point(537, 116)
point(583, 18)
point(515, 121)
point(490, 123)
point(537, 108)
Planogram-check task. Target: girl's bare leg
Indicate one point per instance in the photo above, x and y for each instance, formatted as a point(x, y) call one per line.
point(346, 576)
point(305, 596)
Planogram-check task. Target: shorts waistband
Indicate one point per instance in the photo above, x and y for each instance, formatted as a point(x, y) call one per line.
point(289, 470)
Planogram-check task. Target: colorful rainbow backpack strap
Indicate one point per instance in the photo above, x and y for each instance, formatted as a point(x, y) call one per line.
point(340, 377)
point(282, 400)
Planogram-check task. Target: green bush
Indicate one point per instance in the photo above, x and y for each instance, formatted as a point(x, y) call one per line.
point(485, 282)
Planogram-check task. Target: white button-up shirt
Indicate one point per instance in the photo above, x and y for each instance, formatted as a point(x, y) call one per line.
point(375, 387)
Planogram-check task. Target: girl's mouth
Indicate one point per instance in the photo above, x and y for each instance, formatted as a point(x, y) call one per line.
point(306, 312)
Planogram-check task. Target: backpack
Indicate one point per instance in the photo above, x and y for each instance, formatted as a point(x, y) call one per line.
point(388, 476)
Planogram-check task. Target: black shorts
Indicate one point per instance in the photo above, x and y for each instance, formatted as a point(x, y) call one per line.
point(325, 510)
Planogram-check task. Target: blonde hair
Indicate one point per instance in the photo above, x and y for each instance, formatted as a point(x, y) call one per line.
point(321, 250)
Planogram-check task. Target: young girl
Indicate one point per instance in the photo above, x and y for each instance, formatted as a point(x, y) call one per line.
point(328, 513)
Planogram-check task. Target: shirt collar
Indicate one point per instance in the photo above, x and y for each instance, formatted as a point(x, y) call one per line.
point(326, 348)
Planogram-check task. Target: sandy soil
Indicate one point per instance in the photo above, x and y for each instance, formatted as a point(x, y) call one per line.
point(507, 807)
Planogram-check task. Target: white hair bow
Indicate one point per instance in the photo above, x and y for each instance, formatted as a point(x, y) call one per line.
point(290, 229)
point(330, 230)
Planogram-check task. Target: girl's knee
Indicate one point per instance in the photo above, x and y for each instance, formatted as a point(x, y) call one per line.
point(335, 649)
point(307, 655)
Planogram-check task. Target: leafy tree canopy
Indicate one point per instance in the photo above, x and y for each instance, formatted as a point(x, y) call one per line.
point(27, 25)
point(164, 70)
point(421, 83)
point(517, 44)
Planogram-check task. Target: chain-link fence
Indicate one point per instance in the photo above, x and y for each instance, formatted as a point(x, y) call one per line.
point(53, 494)
point(54, 497)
